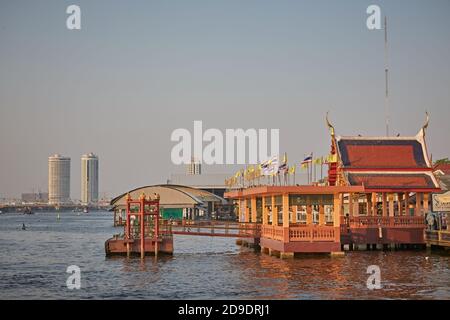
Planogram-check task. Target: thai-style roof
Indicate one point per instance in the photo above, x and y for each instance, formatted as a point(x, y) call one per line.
point(412, 181)
point(382, 152)
point(385, 163)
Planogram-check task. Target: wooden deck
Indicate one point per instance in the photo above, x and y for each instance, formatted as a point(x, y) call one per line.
point(438, 238)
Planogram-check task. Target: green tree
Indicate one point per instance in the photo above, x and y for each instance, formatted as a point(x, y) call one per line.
point(442, 161)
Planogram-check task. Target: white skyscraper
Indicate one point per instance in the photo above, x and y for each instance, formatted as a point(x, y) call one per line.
point(89, 178)
point(58, 179)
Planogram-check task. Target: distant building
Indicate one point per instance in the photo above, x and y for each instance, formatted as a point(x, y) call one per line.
point(40, 197)
point(176, 202)
point(89, 179)
point(213, 183)
point(194, 168)
point(58, 179)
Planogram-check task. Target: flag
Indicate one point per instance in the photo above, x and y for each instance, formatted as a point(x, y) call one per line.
point(304, 165)
point(292, 170)
point(308, 159)
point(318, 161)
point(270, 166)
point(285, 158)
point(283, 168)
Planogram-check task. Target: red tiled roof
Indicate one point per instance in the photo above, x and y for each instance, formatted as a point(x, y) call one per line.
point(443, 167)
point(382, 153)
point(392, 180)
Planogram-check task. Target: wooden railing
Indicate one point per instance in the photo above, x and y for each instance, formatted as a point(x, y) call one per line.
point(375, 222)
point(439, 237)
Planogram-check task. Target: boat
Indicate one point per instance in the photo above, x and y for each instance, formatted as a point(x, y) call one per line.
point(86, 210)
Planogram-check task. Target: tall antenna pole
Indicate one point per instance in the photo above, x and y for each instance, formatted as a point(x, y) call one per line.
point(386, 75)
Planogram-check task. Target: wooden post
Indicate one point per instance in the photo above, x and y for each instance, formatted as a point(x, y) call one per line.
point(286, 211)
point(141, 216)
point(128, 227)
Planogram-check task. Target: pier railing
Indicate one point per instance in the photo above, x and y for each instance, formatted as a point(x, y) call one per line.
point(376, 222)
point(438, 237)
point(313, 233)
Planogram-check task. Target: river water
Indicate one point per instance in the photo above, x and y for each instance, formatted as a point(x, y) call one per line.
point(33, 265)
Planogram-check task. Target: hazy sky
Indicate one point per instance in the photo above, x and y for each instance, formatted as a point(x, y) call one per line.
point(137, 70)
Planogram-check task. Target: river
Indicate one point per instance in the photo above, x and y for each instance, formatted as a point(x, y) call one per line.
point(33, 264)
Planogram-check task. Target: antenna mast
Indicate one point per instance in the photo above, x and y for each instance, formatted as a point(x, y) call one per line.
point(386, 75)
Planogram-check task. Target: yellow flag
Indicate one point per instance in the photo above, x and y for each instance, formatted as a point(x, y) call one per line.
point(304, 166)
point(292, 170)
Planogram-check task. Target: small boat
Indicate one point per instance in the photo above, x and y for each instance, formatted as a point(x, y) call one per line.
point(28, 211)
point(86, 210)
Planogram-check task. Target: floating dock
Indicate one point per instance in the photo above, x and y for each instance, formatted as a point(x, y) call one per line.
point(144, 232)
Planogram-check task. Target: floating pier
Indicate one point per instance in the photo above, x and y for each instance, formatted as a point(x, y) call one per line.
point(144, 232)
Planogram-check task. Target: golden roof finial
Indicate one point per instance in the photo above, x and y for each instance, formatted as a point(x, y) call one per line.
point(128, 197)
point(142, 197)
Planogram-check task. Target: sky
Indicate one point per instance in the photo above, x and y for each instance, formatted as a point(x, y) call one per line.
point(138, 70)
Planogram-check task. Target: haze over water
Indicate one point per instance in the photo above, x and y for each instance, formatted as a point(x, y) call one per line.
point(33, 265)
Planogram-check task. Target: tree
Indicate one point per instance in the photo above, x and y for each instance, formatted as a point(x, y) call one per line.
point(442, 161)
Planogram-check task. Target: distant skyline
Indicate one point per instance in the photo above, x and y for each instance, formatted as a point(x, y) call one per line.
point(137, 70)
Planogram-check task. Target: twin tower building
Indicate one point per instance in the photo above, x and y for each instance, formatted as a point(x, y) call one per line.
point(59, 179)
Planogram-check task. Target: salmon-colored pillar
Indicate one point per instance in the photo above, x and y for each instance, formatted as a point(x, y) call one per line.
point(238, 210)
point(407, 213)
point(309, 217)
point(264, 211)
point(274, 212)
point(391, 205)
point(337, 208)
point(385, 213)
point(286, 210)
point(294, 214)
point(369, 204)
point(400, 204)
point(321, 215)
point(418, 204)
point(350, 204)
point(425, 203)
point(374, 204)
point(253, 209)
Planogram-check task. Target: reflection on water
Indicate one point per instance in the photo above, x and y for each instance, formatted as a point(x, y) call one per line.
point(33, 265)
